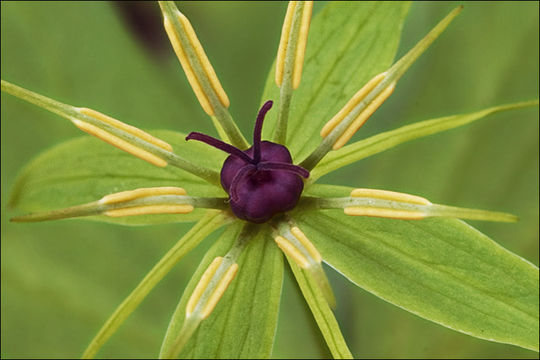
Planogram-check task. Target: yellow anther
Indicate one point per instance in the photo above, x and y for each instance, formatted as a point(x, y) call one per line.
point(387, 212)
point(364, 115)
point(390, 195)
point(384, 212)
point(351, 104)
point(140, 193)
point(300, 43)
point(183, 55)
point(202, 285)
point(299, 235)
point(283, 42)
point(127, 128)
point(150, 209)
point(220, 289)
point(288, 248)
point(119, 143)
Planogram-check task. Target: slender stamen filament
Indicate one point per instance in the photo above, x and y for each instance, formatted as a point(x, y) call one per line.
point(295, 244)
point(115, 132)
point(199, 72)
point(357, 111)
point(144, 201)
point(290, 60)
point(292, 45)
point(394, 205)
point(194, 61)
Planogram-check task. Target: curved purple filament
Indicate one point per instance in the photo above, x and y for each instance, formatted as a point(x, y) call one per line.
point(243, 172)
point(271, 165)
point(258, 130)
point(218, 144)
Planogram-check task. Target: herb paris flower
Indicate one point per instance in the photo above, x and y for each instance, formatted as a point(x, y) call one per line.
point(411, 207)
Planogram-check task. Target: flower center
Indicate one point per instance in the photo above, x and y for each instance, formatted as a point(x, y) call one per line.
point(261, 181)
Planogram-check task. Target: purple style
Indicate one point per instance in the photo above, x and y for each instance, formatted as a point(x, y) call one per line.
point(261, 181)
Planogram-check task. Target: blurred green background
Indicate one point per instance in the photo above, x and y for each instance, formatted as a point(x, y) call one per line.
point(61, 280)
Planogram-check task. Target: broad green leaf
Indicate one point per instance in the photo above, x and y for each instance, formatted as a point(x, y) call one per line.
point(208, 223)
point(86, 169)
point(348, 44)
point(389, 139)
point(442, 269)
point(321, 311)
point(244, 321)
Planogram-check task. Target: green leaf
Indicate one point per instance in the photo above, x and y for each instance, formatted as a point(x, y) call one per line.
point(86, 169)
point(208, 223)
point(321, 311)
point(440, 269)
point(389, 139)
point(244, 321)
point(343, 36)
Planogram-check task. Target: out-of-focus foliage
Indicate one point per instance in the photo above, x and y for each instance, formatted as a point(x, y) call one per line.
point(60, 281)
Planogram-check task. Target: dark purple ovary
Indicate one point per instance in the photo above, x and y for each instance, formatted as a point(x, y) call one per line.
point(261, 181)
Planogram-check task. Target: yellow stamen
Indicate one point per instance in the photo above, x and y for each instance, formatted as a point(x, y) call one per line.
point(220, 289)
point(119, 143)
point(288, 248)
point(202, 285)
point(364, 115)
point(302, 42)
point(384, 212)
point(351, 104)
point(127, 128)
point(299, 235)
point(150, 209)
point(283, 42)
point(140, 193)
point(203, 60)
point(390, 195)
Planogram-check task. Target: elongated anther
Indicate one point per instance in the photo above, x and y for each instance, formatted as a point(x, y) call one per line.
point(299, 235)
point(302, 43)
point(127, 128)
point(283, 42)
point(354, 103)
point(140, 193)
point(364, 115)
point(202, 285)
point(288, 248)
point(119, 143)
point(390, 195)
point(351, 104)
point(150, 209)
point(384, 212)
point(188, 49)
point(296, 245)
point(210, 288)
point(387, 211)
point(295, 29)
point(220, 290)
